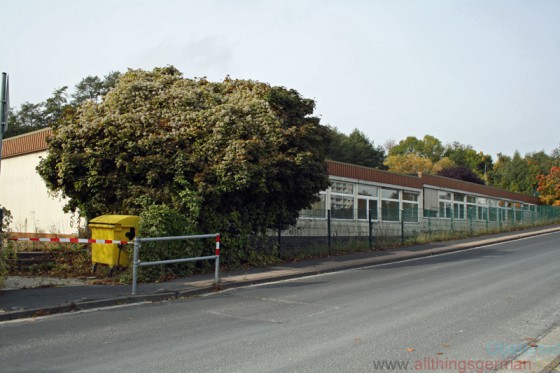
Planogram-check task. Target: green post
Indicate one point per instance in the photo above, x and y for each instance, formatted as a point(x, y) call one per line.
point(500, 218)
point(4, 108)
point(430, 224)
point(402, 227)
point(280, 236)
point(370, 229)
point(329, 230)
point(452, 217)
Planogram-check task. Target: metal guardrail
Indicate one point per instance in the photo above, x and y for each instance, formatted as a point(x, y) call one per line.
point(137, 263)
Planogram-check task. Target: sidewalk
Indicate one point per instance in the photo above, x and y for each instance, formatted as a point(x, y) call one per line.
point(21, 299)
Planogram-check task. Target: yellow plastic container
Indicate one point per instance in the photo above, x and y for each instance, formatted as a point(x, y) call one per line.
point(112, 227)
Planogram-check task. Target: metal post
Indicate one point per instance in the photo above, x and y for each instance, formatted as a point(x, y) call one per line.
point(430, 224)
point(217, 270)
point(402, 227)
point(135, 264)
point(499, 219)
point(370, 229)
point(4, 108)
point(1, 222)
point(280, 238)
point(452, 216)
point(329, 230)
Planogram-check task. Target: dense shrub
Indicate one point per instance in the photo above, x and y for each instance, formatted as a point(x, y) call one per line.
point(5, 220)
point(163, 221)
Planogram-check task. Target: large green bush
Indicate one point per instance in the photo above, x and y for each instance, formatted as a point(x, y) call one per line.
point(5, 220)
point(163, 221)
point(235, 156)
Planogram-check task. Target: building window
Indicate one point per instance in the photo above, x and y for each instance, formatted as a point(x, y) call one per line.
point(367, 202)
point(390, 193)
point(482, 208)
point(471, 207)
point(390, 205)
point(431, 203)
point(366, 190)
point(445, 205)
point(410, 206)
point(519, 212)
point(342, 200)
point(365, 207)
point(342, 187)
point(492, 210)
point(318, 210)
point(502, 211)
point(459, 206)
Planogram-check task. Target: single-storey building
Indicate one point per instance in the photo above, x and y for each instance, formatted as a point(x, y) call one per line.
point(357, 196)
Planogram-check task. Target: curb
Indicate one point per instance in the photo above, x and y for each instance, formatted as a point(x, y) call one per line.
point(170, 295)
point(541, 355)
point(99, 303)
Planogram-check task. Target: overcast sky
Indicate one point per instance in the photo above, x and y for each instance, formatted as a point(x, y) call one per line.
point(481, 72)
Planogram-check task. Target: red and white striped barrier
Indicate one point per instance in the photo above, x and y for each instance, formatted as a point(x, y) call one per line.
point(70, 240)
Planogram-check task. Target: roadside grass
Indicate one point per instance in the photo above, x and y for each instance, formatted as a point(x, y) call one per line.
point(383, 241)
point(61, 260)
point(74, 260)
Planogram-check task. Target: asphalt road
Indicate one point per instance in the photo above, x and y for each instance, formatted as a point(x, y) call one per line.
point(474, 307)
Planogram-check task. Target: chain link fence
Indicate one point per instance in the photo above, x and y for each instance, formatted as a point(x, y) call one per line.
point(325, 232)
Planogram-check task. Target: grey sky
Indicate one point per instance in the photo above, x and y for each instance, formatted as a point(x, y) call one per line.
point(481, 72)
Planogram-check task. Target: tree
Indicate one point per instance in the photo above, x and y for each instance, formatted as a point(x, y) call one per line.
point(355, 148)
point(429, 147)
point(465, 155)
point(28, 118)
point(234, 156)
point(32, 117)
point(555, 155)
point(94, 88)
point(442, 164)
point(461, 173)
point(412, 164)
point(408, 164)
point(519, 174)
point(549, 186)
point(509, 173)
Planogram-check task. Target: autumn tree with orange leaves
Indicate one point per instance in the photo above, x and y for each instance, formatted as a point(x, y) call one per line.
point(549, 187)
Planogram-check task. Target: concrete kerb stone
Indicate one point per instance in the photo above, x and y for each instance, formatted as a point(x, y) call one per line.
point(541, 355)
point(268, 277)
point(100, 303)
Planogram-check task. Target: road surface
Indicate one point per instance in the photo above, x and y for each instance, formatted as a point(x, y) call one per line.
point(434, 314)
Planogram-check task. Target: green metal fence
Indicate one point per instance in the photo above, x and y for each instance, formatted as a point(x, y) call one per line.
point(321, 231)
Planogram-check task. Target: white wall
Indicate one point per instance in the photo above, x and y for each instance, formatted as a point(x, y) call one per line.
point(24, 193)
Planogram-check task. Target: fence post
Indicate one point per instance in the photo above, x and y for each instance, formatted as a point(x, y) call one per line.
point(329, 230)
point(452, 217)
point(280, 236)
point(217, 269)
point(499, 219)
point(135, 264)
point(402, 227)
point(370, 228)
point(430, 224)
